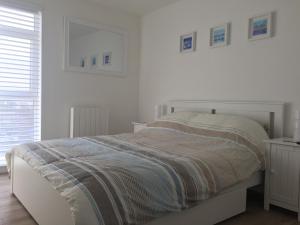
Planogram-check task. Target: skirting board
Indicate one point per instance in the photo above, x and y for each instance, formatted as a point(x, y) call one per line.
point(48, 208)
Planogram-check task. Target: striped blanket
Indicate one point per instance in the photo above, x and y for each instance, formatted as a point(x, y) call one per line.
point(135, 178)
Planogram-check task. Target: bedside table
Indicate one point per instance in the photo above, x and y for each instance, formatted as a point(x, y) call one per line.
point(282, 174)
point(138, 126)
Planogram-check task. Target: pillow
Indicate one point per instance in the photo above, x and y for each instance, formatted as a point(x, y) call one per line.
point(240, 126)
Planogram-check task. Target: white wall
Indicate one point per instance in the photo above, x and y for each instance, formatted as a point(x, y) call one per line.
point(261, 70)
point(60, 89)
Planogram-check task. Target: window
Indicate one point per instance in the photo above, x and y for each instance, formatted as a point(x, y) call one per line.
point(20, 75)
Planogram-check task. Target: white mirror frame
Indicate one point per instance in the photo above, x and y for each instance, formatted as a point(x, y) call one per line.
point(66, 62)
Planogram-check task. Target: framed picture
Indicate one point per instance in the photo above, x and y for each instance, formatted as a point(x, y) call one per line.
point(107, 58)
point(94, 60)
point(83, 62)
point(260, 27)
point(219, 35)
point(188, 42)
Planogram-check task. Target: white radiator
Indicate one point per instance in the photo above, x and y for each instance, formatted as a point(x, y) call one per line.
point(88, 121)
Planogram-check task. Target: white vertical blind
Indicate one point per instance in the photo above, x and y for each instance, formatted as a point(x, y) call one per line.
point(20, 76)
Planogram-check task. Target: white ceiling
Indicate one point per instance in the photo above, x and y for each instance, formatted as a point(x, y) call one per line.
point(140, 7)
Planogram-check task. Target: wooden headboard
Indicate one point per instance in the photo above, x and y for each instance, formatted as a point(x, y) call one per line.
point(268, 113)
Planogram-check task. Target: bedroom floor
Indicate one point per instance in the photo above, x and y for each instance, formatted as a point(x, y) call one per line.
point(13, 213)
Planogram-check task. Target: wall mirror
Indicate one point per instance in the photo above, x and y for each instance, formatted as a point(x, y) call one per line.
point(95, 48)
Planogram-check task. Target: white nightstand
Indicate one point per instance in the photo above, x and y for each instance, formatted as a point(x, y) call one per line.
point(138, 126)
point(282, 174)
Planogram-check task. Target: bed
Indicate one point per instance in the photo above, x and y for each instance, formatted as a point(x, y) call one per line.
point(182, 168)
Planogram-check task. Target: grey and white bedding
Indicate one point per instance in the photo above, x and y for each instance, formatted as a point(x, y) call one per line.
point(168, 167)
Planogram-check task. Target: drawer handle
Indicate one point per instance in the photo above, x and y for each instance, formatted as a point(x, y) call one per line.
point(272, 171)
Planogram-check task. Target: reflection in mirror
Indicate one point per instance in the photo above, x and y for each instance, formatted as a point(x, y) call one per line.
point(95, 48)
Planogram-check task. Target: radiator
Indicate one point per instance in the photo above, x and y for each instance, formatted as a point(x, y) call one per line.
point(88, 121)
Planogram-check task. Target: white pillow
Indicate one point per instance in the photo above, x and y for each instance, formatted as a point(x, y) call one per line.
point(239, 125)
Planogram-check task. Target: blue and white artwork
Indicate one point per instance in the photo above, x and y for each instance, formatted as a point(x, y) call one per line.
point(219, 36)
point(260, 27)
point(83, 62)
point(107, 58)
point(94, 60)
point(188, 42)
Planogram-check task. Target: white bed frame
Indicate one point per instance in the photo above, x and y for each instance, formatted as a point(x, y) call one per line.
point(48, 208)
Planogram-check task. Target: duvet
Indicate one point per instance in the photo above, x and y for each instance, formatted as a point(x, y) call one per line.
point(135, 178)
